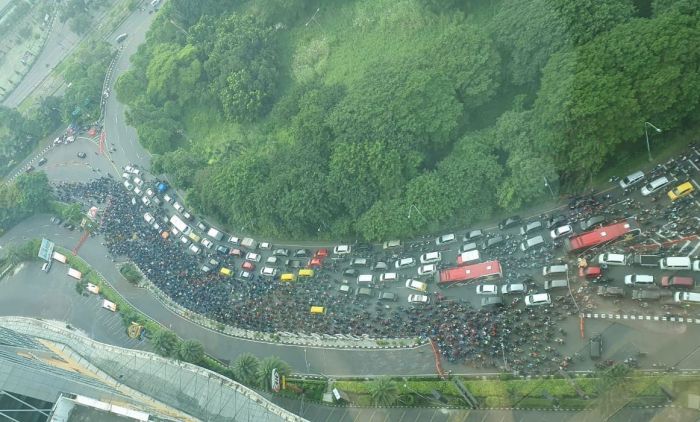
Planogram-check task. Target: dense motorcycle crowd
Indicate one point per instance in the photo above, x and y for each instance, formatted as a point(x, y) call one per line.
point(512, 337)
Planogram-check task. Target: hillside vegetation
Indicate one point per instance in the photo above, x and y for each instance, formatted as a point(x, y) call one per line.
point(384, 118)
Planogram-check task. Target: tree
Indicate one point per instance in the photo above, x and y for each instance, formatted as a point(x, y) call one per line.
point(35, 192)
point(265, 371)
point(191, 351)
point(246, 369)
point(383, 391)
point(165, 343)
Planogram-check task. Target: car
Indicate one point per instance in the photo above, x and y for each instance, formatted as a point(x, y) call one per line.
point(149, 218)
point(530, 227)
point(222, 250)
point(178, 207)
point(491, 302)
point(680, 191)
point(364, 291)
point(281, 252)
point(487, 289)
point(203, 227)
point(350, 272)
point(195, 249)
point(342, 249)
point(126, 176)
point(427, 269)
point(145, 200)
point(174, 231)
point(214, 263)
point(81, 155)
point(265, 246)
point(639, 280)
point(493, 241)
point(380, 266)
point(245, 275)
point(137, 190)
point(234, 240)
point(556, 221)
point(41, 162)
point(248, 266)
point(292, 263)
point(315, 263)
point(46, 267)
point(430, 258)
point(385, 277)
point(345, 289)
point(138, 181)
point(301, 253)
point(418, 299)
point(128, 185)
point(596, 346)
point(236, 252)
point(538, 299)
point(269, 272)
point(184, 239)
point(391, 244)
point(167, 198)
point(509, 222)
point(252, 256)
point(592, 222)
point(388, 296)
point(611, 291)
point(696, 265)
point(55, 220)
point(513, 288)
point(533, 242)
point(205, 269)
point(655, 185)
point(187, 215)
point(359, 262)
point(321, 253)
point(562, 231)
point(405, 263)
point(445, 239)
point(612, 259)
point(474, 234)
point(467, 247)
point(362, 248)
point(631, 179)
point(416, 285)
point(207, 243)
point(129, 169)
point(272, 260)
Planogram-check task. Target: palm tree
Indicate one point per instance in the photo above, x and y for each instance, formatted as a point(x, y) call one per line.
point(246, 368)
point(265, 371)
point(191, 351)
point(165, 342)
point(383, 391)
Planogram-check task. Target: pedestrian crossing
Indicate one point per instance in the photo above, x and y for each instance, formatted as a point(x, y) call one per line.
point(655, 318)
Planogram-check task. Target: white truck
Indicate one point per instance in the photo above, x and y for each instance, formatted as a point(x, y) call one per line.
point(180, 225)
point(215, 234)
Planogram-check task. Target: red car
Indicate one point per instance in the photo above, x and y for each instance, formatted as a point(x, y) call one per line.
point(248, 266)
point(321, 253)
point(315, 262)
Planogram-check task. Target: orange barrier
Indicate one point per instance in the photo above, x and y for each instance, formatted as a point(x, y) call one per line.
point(438, 362)
point(581, 325)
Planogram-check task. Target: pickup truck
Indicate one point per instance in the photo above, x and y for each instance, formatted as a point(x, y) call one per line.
point(650, 294)
point(645, 260)
point(611, 291)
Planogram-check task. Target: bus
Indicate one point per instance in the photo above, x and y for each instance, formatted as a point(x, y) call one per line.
point(469, 273)
point(602, 235)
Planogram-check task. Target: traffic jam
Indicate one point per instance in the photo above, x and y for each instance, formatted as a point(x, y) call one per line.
point(483, 296)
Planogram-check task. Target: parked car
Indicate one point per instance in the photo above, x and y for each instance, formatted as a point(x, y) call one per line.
point(427, 269)
point(509, 222)
point(655, 185)
point(538, 299)
point(430, 258)
point(445, 239)
point(631, 179)
point(281, 252)
point(513, 288)
point(530, 227)
point(405, 263)
point(342, 249)
point(487, 289)
point(555, 221)
point(419, 299)
point(416, 285)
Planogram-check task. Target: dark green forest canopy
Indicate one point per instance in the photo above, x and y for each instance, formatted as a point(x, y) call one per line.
point(299, 118)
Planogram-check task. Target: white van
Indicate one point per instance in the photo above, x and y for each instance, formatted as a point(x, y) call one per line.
point(388, 277)
point(632, 179)
point(686, 297)
point(555, 284)
point(365, 279)
point(675, 263)
point(612, 259)
point(639, 280)
point(554, 270)
point(532, 242)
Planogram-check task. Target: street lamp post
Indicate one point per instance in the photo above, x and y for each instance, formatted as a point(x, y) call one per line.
point(646, 134)
point(547, 185)
point(412, 207)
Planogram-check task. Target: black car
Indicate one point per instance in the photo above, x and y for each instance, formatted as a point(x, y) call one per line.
point(596, 220)
point(596, 345)
point(350, 272)
point(82, 155)
point(491, 302)
point(555, 221)
point(494, 241)
point(388, 296)
point(29, 169)
point(509, 222)
point(222, 250)
point(362, 248)
point(42, 162)
point(281, 252)
point(302, 253)
point(292, 263)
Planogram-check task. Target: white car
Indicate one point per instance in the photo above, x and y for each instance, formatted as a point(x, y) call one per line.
point(174, 231)
point(145, 200)
point(487, 289)
point(427, 269)
point(234, 240)
point(405, 263)
point(612, 259)
point(138, 181)
point(430, 258)
point(150, 193)
point(416, 285)
point(184, 239)
point(538, 299)
point(632, 179)
point(149, 218)
point(195, 249)
point(167, 198)
point(126, 176)
point(513, 288)
point(696, 265)
point(128, 185)
point(265, 246)
point(444, 239)
point(418, 299)
point(207, 243)
point(187, 215)
point(252, 256)
point(655, 185)
point(132, 170)
point(137, 190)
point(562, 231)
point(342, 249)
point(269, 272)
point(178, 207)
point(272, 260)
point(156, 227)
